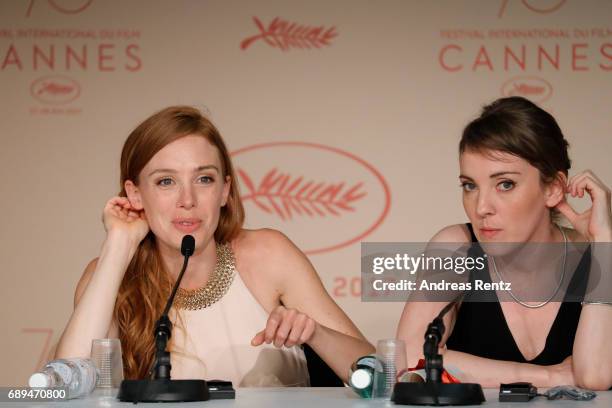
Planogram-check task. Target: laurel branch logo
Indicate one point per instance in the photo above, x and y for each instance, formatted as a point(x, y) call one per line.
point(289, 186)
point(284, 35)
point(286, 196)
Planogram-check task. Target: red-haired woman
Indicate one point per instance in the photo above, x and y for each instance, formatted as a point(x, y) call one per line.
point(248, 297)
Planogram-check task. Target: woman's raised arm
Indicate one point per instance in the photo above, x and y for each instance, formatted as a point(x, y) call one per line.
point(97, 289)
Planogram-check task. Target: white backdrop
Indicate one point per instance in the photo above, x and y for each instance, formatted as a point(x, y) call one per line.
point(366, 99)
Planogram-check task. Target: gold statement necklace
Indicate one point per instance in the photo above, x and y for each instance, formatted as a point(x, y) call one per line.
point(216, 287)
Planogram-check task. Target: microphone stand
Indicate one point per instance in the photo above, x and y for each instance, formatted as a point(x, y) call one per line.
point(433, 391)
point(162, 388)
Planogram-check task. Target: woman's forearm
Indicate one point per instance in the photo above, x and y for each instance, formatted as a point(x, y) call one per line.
point(490, 373)
point(339, 350)
point(92, 315)
point(592, 352)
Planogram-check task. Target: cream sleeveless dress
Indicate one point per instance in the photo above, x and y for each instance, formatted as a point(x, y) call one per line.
point(216, 345)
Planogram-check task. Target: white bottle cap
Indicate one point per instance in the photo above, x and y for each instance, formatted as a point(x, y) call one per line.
point(39, 380)
point(361, 379)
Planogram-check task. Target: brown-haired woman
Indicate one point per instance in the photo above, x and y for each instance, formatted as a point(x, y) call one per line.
point(247, 296)
point(514, 174)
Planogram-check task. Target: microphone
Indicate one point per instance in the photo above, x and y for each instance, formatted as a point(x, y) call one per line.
point(187, 246)
point(433, 391)
point(162, 388)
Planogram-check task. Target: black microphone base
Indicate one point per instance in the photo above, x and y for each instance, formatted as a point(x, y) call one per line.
point(163, 390)
point(430, 393)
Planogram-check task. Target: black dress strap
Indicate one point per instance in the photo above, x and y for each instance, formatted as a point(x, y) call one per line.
point(471, 229)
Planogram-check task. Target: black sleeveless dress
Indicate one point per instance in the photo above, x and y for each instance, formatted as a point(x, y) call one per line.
point(481, 330)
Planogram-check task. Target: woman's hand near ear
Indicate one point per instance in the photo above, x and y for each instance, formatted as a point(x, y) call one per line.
point(596, 222)
point(120, 217)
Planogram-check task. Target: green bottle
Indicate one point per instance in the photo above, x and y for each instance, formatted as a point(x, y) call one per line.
point(361, 375)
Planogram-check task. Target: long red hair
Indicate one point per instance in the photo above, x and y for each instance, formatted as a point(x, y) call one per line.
point(146, 284)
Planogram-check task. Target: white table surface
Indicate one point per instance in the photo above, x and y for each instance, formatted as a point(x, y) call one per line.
point(302, 397)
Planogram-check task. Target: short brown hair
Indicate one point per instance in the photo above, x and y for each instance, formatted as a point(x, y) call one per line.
point(519, 127)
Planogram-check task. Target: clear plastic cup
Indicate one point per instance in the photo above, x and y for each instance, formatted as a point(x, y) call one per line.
point(106, 355)
point(392, 356)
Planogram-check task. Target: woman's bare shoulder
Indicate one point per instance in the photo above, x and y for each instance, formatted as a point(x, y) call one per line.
point(263, 258)
point(269, 254)
point(261, 242)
